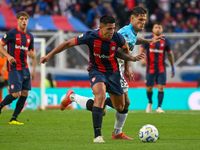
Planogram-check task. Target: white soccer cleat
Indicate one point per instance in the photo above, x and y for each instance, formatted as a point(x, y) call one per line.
point(99, 139)
point(159, 110)
point(149, 108)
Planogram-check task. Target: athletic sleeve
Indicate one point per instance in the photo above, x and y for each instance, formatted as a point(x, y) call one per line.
point(167, 46)
point(7, 38)
point(82, 39)
point(31, 46)
point(121, 40)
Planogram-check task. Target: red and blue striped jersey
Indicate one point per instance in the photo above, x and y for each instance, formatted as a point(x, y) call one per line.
point(156, 55)
point(101, 51)
point(18, 43)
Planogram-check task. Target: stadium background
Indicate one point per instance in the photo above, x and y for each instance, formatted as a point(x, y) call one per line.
point(59, 20)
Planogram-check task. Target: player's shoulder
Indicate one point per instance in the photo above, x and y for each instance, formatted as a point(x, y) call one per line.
point(91, 33)
point(126, 28)
point(12, 31)
point(29, 33)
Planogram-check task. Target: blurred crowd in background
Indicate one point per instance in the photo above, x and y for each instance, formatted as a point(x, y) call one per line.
point(176, 16)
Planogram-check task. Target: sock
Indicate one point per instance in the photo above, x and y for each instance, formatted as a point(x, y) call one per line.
point(79, 100)
point(120, 118)
point(7, 100)
point(89, 104)
point(97, 116)
point(160, 98)
point(149, 95)
point(1, 96)
point(19, 106)
point(109, 102)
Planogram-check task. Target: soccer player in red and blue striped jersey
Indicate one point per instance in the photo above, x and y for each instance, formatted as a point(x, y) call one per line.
point(103, 70)
point(19, 43)
point(155, 66)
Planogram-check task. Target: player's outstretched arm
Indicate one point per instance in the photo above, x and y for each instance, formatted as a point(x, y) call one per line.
point(149, 41)
point(120, 54)
point(58, 49)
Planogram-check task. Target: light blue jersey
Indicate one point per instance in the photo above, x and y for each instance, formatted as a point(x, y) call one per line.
point(129, 34)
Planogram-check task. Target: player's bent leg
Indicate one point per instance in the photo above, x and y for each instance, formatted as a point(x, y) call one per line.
point(66, 100)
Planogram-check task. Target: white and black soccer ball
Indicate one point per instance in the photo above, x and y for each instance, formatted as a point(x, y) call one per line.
point(148, 133)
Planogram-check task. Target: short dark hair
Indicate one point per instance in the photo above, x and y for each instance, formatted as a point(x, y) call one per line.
point(107, 19)
point(139, 10)
point(22, 13)
point(158, 23)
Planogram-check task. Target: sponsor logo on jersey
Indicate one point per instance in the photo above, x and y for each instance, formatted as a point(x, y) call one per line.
point(103, 56)
point(21, 47)
point(156, 50)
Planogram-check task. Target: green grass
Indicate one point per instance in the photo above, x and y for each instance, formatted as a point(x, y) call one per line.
point(72, 129)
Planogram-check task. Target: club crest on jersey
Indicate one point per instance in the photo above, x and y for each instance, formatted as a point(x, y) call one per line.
point(113, 48)
point(28, 40)
point(12, 86)
point(162, 44)
point(5, 36)
point(93, 79)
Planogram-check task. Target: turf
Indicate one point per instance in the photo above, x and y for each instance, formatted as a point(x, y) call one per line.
point(72, 129)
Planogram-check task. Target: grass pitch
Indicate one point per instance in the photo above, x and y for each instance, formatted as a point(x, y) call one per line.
point(73, 130)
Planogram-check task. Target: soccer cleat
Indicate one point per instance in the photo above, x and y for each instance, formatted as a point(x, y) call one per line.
point(99, 139)
point(159, 110)
point(104, 110)
point(15, 122)
point(121, 136)
point(149, 108)
point(66, 100)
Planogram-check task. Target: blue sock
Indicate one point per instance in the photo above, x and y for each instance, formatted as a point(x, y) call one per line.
point(19, 106)
point(149, 95)
point(7, 100)
point(97, 116)
point(109, 102)
point(160, 98)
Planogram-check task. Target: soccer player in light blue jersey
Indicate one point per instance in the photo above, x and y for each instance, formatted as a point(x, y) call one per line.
point(129, 32)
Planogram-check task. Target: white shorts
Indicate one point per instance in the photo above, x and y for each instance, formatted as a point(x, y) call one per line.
point(123, 81)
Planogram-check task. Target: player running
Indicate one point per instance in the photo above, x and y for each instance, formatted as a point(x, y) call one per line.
point(129, 32)
point(103, 70)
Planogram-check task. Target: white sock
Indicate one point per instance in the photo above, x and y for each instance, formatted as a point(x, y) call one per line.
point(119, 122)
point(79, 100)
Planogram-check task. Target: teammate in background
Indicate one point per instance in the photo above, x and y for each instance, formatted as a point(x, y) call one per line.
point(3, 75)
point(129, 32)
point(20, 44)
point(104, 72)
point(155, 66)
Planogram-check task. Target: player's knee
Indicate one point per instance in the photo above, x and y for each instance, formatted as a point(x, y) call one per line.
point(24, 93)
point(16, 94)
point(119, 108)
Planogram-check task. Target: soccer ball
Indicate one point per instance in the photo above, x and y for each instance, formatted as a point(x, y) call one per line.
point(148, 133)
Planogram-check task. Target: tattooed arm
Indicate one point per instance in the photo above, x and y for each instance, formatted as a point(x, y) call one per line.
point(122, 55)
point(149, 41)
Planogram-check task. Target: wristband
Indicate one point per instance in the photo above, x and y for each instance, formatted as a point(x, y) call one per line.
point(173, 70)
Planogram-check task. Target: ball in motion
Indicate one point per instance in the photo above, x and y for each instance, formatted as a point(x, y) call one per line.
point(148, 133)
